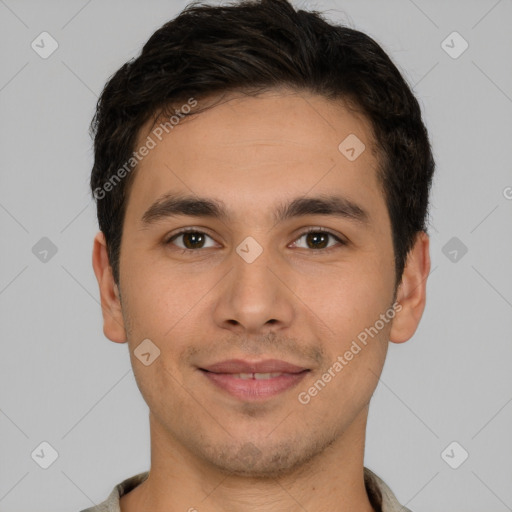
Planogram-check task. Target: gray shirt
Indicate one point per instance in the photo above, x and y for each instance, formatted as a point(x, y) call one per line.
point(381, 496)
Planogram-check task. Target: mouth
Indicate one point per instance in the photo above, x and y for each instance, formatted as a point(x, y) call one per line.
point(254, 386)
point(255, 376)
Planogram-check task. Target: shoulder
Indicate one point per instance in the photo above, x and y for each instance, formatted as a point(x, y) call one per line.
point(381, 496)
point(111, 504)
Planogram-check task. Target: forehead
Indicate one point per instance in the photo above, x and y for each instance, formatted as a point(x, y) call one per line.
point(250, 151)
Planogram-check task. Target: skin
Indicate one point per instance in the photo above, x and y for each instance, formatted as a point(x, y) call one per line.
point(295, 302)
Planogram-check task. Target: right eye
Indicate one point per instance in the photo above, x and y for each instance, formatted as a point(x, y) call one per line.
point(192, 239)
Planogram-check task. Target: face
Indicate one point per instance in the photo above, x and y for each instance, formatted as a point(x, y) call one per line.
point(254, 285)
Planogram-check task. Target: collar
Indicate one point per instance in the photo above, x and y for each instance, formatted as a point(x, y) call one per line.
point(381, 497)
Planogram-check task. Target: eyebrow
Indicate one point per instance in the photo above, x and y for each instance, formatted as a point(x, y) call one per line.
point(172, 205)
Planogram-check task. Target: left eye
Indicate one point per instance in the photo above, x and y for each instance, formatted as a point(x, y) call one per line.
point(315, 239)
point(318, 238)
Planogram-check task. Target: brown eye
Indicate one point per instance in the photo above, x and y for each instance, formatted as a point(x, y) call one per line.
point(191, 239)
point(319, 239)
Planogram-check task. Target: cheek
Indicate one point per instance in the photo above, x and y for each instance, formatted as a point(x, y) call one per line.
point(351, 298)
point(357, 349)
point(165, 308)
point(152, 283)
point(357, 341)
point(159, 311)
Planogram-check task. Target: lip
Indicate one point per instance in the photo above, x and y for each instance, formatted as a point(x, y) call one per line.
point(254, 390)
point(243, 366)
point(225, 375)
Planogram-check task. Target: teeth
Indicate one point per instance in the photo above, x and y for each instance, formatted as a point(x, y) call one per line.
point(264, 376)
point(257, 376)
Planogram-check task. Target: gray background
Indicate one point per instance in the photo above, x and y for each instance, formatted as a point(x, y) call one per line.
point(64, 383)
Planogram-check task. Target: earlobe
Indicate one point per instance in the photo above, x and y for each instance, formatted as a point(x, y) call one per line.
point(113, 323)
point(411, 294)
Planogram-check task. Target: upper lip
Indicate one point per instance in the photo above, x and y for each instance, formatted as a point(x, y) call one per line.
point(242, 366)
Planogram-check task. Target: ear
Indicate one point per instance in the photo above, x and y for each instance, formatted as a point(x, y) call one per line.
point(411, 293)
point(113, 323)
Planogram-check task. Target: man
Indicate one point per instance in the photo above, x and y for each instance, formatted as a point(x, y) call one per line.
point(262, 181)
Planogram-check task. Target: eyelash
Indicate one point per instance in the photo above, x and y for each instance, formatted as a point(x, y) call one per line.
point(169, 240)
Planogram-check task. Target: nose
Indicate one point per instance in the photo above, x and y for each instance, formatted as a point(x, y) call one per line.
point(255, 298)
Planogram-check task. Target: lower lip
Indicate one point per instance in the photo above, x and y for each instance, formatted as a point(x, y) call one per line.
point(253, 389)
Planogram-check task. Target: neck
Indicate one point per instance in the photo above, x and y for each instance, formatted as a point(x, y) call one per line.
point(182, 481)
